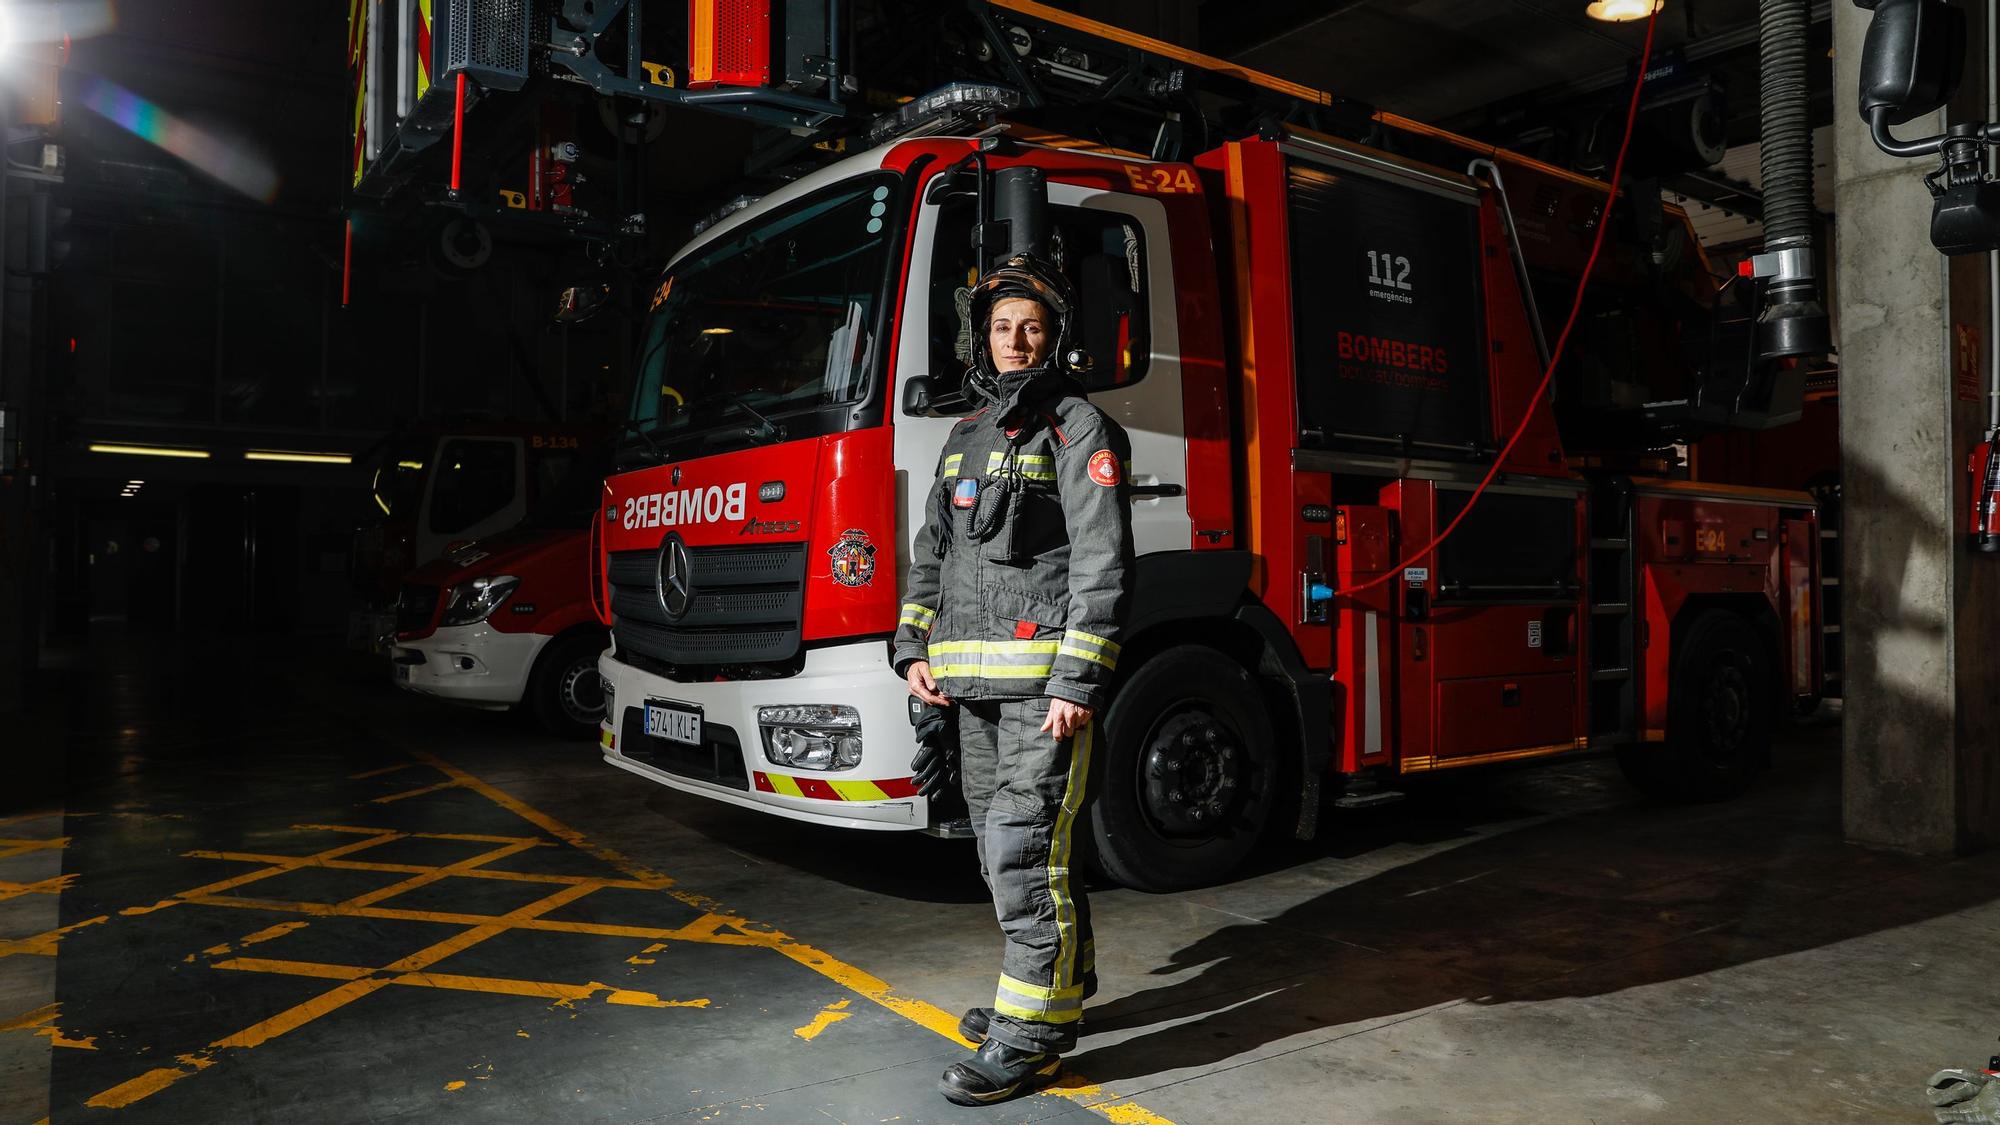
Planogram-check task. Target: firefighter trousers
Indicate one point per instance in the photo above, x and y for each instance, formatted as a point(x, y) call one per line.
point(1024, 791)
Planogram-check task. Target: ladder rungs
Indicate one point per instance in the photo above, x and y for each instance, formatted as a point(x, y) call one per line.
point(1611, 674)
point(1829, 581)
point(1618, 543)
point(1610, 609)
point(1830, 629)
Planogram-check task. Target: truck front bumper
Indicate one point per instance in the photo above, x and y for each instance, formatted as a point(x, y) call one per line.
point(472, 664)
point(730, 765)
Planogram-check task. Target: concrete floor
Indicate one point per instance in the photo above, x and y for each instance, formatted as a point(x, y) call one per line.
point(278, 890)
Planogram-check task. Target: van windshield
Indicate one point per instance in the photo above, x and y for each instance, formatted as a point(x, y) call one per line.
point(774, 319)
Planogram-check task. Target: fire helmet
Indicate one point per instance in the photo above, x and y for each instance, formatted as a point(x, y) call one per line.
point(1027, 278)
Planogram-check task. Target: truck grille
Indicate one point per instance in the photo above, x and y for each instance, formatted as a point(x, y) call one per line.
point(745, 607)
point(416, 608)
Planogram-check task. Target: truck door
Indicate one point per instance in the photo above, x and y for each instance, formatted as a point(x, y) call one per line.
point(1113, 247)
point(477, 487)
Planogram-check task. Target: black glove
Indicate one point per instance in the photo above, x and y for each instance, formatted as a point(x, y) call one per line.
point(935, 768)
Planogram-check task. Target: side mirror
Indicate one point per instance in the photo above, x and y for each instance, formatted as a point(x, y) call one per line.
point(581, 302)
point(918, 394)
point(1912, 59)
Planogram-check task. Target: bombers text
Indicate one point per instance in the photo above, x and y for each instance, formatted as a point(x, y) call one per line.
point(682, 506)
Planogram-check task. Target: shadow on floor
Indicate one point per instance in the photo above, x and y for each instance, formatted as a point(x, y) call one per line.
point(1584, 904)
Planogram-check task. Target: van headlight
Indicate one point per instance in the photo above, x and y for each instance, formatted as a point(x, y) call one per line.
point(812, 736)
point(474, 601)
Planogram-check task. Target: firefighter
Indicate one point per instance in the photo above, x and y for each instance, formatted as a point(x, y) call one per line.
point(1018, 583)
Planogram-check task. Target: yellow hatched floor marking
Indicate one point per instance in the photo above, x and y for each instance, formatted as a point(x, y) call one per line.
point(715, 926)
point(11, 848)
point(417, 792)
point(828, 1016)
point(50, 886)
point(42, 1021)
point(364, 774)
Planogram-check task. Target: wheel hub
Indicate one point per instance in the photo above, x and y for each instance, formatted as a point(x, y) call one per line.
point(1189, 773)
point(582, 692)
point(1727, 708)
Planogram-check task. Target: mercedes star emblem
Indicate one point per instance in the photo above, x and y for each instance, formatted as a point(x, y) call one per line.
point(677, 474)
point(675, 573)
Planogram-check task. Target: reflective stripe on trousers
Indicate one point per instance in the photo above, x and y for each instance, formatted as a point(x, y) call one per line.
point(1024, 791)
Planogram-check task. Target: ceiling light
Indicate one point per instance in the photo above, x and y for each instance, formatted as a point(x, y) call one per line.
point(149, 450)
point(1619, 11)
point(295, 455)
point(717, 331)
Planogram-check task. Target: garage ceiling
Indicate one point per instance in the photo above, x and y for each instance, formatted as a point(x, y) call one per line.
point(1439, 59)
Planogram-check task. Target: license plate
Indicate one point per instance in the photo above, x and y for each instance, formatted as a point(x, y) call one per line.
point(673, 722)
point(402, 673)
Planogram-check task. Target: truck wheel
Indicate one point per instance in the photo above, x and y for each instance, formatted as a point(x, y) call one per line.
point(1719, 716)
point(1185, 773)
point(564, 691)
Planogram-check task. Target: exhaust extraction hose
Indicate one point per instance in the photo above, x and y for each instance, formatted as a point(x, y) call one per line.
point(1793, 321)
point(1786, 149)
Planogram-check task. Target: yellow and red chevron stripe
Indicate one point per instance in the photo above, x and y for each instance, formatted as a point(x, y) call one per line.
point(360, 132)
point(423, 47)
point(785, 785)
point(357, 18)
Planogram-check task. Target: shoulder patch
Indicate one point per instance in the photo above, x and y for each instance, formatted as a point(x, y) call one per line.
point(1104, 468)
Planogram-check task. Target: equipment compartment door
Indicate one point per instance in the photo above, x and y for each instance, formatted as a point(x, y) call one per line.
point(1494, 715)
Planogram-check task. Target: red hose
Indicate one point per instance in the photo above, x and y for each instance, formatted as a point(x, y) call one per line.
point(1555, 354)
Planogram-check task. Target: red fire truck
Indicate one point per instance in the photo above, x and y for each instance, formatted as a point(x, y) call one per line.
point(1317, 348)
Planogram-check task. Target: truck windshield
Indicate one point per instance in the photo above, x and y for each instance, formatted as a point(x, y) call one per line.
point(773, 320)
point(399, 476)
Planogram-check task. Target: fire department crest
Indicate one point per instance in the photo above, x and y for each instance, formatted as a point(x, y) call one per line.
point(853, 558)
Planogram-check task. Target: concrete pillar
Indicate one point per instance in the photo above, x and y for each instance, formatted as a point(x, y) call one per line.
point(1921, 737)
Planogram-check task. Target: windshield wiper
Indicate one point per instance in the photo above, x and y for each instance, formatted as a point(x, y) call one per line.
point(767, 428)
point(646, 435)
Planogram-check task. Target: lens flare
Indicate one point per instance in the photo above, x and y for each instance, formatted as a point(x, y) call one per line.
point(228, 163)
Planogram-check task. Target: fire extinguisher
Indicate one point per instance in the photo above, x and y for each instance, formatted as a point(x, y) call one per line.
point(1984, 465)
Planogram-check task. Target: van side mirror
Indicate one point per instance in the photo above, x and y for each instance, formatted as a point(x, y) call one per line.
point(1912, 59)
point(918, 395)
point(581, 302)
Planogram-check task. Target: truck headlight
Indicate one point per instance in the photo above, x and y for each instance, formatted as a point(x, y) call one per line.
point(474, 601)
point(813, 736)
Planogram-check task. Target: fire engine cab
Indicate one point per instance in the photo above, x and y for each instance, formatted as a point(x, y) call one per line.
point(1318, 348)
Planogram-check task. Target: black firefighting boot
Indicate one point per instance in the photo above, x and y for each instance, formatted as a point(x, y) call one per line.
point(997, 1072)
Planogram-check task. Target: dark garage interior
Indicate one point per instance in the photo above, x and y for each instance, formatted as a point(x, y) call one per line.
point(1496, 508)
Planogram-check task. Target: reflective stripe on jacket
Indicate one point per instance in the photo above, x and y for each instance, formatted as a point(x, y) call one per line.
point(1015, 596)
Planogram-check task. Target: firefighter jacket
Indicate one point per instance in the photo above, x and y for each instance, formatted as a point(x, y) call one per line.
point(1021, 572)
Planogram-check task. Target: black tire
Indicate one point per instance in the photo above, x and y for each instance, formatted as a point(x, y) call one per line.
point(565, 695)
point(1185, 775)
point(1720, 715)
